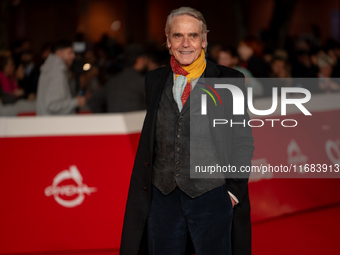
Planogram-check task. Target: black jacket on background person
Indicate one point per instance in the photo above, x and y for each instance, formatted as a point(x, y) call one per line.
point(124, 92)
point(237, 150)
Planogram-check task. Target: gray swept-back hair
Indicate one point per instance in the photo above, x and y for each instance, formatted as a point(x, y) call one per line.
point(190, 12)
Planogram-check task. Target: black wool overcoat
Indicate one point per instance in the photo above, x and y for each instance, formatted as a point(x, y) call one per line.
point(236, 149)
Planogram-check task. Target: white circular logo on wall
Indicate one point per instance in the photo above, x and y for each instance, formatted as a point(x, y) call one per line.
point(295, 155)
point(333, 146)
point(69, 190)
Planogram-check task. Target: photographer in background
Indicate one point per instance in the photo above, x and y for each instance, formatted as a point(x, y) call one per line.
point(54, 95)
point(28, 75)
point(125, 91)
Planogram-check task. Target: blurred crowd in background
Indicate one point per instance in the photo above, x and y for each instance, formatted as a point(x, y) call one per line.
point(107, 77)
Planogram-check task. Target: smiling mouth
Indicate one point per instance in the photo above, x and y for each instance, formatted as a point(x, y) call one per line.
point(186, 52)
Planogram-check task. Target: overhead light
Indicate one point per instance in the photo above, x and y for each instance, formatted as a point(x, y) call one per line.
point(86, 66)
point(115, 26)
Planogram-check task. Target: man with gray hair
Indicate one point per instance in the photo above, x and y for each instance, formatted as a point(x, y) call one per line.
point(166, 209)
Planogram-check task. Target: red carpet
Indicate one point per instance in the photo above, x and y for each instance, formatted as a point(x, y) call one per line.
point(313, 232)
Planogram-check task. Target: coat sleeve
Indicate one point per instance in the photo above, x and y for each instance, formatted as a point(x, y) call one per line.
point(242, 147)
point(58, 98)
point(147, 88)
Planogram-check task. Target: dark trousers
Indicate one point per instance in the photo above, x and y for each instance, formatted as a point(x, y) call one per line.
point(207, 217)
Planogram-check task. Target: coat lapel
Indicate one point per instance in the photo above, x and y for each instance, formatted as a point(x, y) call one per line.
point(211, 71)
point(157, 88)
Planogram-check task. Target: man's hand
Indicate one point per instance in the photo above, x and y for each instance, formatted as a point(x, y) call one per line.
point(31, 97)
point(232, 201)
point(18, 92)
point(81, 101)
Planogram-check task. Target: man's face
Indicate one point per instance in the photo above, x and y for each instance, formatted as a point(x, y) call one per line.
point(9, 68)
point(66, 54)
point(185, 40)
point(141, 64)
point(244, 51)
point(225, 59)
